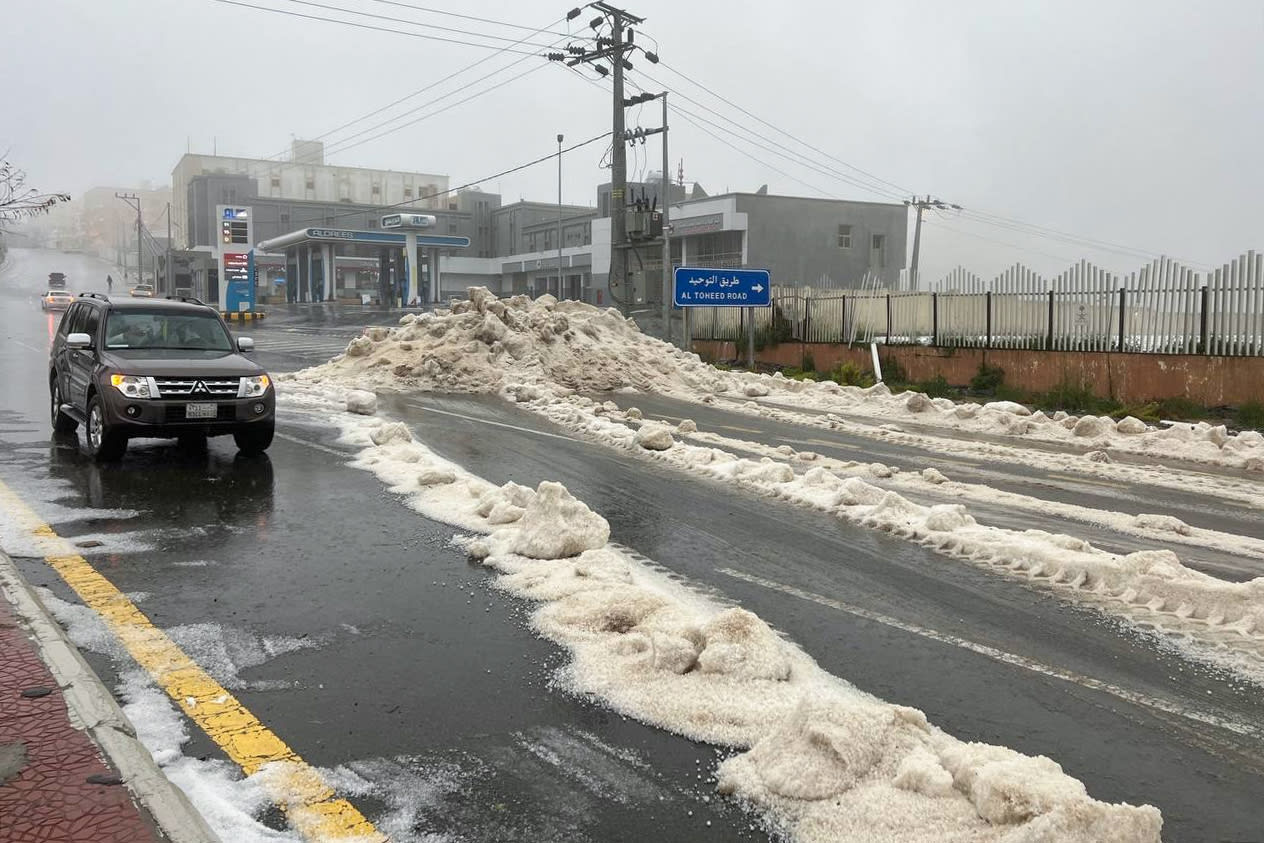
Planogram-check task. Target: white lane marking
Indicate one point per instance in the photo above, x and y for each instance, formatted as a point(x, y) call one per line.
point(296, 440)
point(1237, 727)
point(490, 422)
point(31, 347)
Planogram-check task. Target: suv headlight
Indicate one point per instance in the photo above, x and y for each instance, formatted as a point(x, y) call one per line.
point(131, 385)
point(253, 387)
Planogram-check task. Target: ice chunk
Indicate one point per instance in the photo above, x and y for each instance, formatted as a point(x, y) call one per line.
point(741, 645)
point(654, 437)
point(1011, 407)
point(933, 475)
point(1164, 523)
point(436, 476)
point(1130, 426)
point(687, 426)
point(754, 390)
point(918, 403)
point(555, 525)
point(390, 432)
point(359, 347)
point(361, 402)
point(1091, 427)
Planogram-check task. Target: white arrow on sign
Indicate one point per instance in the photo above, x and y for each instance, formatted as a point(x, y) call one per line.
point(758, 288)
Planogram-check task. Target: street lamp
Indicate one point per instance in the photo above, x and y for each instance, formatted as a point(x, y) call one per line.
point(559, 215)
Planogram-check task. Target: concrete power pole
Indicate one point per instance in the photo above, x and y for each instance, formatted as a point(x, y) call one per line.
point(614, 49)
point(560, 282)
point(921, 205)
point(618, 172)
point(667, 264)
point(134, 200)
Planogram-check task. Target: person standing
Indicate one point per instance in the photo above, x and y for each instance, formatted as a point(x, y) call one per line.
point(109, 283)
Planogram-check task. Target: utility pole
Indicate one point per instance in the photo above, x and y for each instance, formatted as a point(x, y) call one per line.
point(667, 264)
point(560, 283)
point(613, 49)
point(134, 200)
point(921, 205)
point(170, 287)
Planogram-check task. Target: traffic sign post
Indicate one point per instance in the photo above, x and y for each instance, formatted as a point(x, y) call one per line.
point(702, 287)
point(696, 286)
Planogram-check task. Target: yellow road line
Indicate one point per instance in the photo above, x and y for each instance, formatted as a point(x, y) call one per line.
point(297, 788)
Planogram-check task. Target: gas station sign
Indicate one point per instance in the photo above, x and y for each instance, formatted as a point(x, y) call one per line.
point(236, 259)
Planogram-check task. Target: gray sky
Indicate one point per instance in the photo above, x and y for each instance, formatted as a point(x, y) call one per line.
point(1138, 123)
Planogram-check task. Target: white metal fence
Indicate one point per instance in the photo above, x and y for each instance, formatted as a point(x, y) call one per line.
point(1164, 307)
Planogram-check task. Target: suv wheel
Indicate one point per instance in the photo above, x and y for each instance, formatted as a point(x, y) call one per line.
point(62, 423)
point(254, 439)
point(105, 445)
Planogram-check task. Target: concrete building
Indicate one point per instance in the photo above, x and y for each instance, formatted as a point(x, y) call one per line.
point(306, 177)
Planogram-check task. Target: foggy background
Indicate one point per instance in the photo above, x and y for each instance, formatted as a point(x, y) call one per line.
point(1137, 124)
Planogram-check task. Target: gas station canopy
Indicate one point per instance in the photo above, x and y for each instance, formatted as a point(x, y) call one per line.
point(347, 235)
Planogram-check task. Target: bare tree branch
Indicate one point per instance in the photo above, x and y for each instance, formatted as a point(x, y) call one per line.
point(17, 201)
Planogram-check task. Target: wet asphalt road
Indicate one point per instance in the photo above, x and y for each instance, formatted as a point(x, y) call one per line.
point(426, 681)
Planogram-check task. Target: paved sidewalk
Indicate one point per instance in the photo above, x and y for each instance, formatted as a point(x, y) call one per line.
point(55, 786)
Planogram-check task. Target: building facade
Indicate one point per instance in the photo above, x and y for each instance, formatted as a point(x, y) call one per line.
point(305, 177)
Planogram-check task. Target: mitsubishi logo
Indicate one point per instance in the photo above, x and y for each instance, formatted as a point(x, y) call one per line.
point(200, 386)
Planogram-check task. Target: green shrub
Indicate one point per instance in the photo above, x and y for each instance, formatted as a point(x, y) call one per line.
point(849, 374)
point(1181, 409)
point(1250, 415)
point(893, 372)
point(988, 379)
point(809, 362)
point(798, 374)
point(1148, 412)
point(1077, 399)
point(936, 387)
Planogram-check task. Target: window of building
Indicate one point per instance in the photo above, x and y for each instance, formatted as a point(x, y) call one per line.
point(285, 218)
point(408, 193)
point(376, 190)
point(310, 184)
point(844, 237)
point(877, 251)
point(275, 181)
point(372, 222)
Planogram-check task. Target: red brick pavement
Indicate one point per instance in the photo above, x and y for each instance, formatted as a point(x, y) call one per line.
point(65, 792)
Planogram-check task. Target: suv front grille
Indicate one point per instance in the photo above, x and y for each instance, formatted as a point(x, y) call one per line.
point(195, 388)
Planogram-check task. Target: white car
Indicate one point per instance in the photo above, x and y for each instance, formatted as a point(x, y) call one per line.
point(56, 300)
point(143, 291)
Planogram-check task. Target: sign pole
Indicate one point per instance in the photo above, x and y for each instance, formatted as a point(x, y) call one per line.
point(410, 243)
point(750, 338)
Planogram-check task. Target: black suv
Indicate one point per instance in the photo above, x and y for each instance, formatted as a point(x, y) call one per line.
point(155, 368)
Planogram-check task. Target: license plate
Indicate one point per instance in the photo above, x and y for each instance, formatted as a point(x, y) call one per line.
point(199, 411)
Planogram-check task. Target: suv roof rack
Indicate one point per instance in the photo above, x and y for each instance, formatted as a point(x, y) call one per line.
point(101, 296)
point(188, 299)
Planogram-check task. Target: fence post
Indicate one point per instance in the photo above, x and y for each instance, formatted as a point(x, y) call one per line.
point(1204, 342)
point(934, 319)
point(803, 340)
point(1049, 343)
point(987, 305)
point(888, 339)
point(842, 320)
point(1123, 309)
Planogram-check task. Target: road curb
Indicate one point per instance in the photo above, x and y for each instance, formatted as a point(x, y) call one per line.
point(93, 708)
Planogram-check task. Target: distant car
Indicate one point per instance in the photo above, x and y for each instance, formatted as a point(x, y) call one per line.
point(56, 300)
point(157, 369)
point(57, 279)
point(143, 291)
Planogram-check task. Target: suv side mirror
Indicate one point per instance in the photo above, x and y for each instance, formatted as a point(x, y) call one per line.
point(78, 341)
point(245, 344)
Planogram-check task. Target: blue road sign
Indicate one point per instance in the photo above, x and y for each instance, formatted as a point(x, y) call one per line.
point(701, 287)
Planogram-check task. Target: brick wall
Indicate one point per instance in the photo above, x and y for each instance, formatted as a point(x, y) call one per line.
point(1209, 380)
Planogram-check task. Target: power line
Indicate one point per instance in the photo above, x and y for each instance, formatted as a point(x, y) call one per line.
point(421, 24)
point(469, 17)
point(343, 146)
point(783, 151)
point(1016, 247)
point(552, 156)
point(367, 26)
point(901, 191)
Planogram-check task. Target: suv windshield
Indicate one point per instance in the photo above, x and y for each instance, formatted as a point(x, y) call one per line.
point(143, 329)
